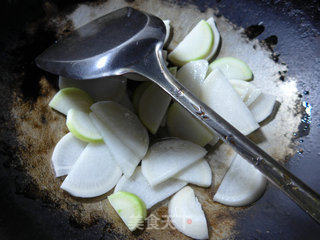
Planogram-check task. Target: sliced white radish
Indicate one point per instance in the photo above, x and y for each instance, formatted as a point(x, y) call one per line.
point(243, 184)
point(247, 91)
point(65, 154)
point(198, 173)
point(232, 68)
point(168, 157)
point(81, 126)
point(68, 98)
point(153, 105)
point(138, 185)
point(126, 159)
point(167, 24)
point(216, 38)
point(218, 94)
point(192, 75)
point(107, 88)
point(124, 124)
point(93, 174)
point(196, 45)
point(186, 214)
point(214, 140)
point(138, 93)
point(130, 208)
point(126, 102)
point(183, 125)
point(262, 107)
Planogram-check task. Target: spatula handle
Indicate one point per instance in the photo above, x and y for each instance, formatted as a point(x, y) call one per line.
point(297, 190)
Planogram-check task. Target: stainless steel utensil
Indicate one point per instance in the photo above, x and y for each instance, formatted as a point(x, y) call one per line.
point(130, 41)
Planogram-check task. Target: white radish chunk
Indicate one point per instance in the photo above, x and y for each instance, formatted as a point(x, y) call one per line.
point(125, 158)
point(153, 105)
point(100, 89)
point(262, 107)
point(182, 124)
point(65, 154)
point(168, 157)
point(247, 91)
point(126, 102)
point(199, 174)
point(214, 140)
point(138, 93)
point(242, 185)
point(216, 38)
point(130, 208)
point(186, 214)
point(93, 174)
point(124, 124)
point(196, 45)
point(218, 94)
point(68, 98)
point(232, 68)
point(81, 126)
point(192, 75)
point(138, 185)
point(167, 25)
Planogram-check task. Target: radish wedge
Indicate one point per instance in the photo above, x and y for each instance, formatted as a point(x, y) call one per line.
point(68, 98)
point(186, 214)
point(192, 74)
point(242, 185)
point(262, 107)
point(216, 38)
point(153, 105)
point(94, 173)
point(65, 154)
point(81, 126)
point(218, 94)
point(183, 125)
point(196, 45)
point(199, 174)
point(247, 91)
point(124, 124)
point(138, 185)
point(168, 157)
point(130, 208)
point(123, 155)
point(167, 25)
point(107, 88)
point(138, 93)
point(232, 68)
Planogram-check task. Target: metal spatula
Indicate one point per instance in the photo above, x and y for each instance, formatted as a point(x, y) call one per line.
point(130, 41)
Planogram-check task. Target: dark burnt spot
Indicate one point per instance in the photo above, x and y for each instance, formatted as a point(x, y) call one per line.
point(272, 40)
point(254, 31)
point(275, 57)
point(43, 119)
point(129, 1)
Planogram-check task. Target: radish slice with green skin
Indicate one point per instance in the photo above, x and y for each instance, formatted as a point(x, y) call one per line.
point(247, 91)
point(199, 174)
point(262, 107)
point(93, 174)
point(68, 98)
point(81, 126)
point(130, 208)
point(153, 105)
point(182, 124)
point(65, 154)
point(167, 24)
point(218, 93)
point(216, 38)
point(124, 124)
point(232, 68)
point(196, 45)
point(138, 185)
point(186, 214)
point(192, 75)
point(169, 157)
point(242, 185)
point(107, 88)
point(126, 159)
